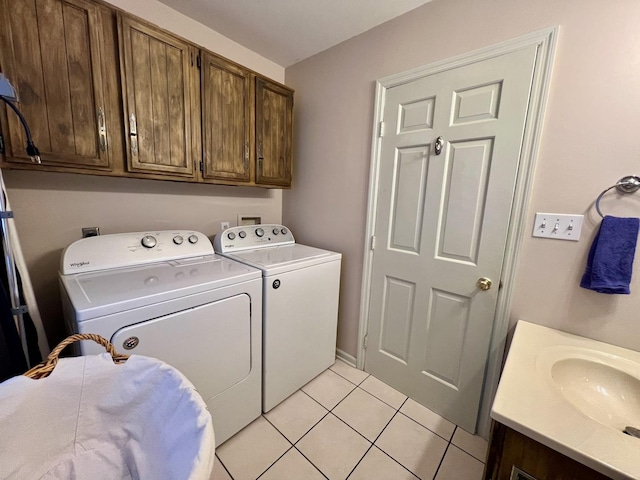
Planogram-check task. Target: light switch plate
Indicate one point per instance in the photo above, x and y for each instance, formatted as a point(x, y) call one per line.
point(560, 226)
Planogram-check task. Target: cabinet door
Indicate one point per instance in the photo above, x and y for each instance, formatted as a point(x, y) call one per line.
point(158, 81)
point(274, 125)
point(226, 120)
point(50, 50)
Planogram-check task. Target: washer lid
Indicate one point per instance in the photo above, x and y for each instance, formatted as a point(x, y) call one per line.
point(96, 294)
point(274, 260)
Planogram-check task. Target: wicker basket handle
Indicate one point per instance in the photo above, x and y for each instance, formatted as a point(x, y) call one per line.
point(45, 368)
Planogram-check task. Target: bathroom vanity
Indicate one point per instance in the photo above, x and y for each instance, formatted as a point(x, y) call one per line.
point(561, 408)
point(514, 456)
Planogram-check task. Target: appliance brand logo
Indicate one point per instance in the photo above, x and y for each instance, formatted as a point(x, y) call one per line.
point(79, 264)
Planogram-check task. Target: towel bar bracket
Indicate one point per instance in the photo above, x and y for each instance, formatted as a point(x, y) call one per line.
point(628, 184)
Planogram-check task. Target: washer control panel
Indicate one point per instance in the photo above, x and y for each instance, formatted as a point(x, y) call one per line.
point(128, 249)
point(248, 237)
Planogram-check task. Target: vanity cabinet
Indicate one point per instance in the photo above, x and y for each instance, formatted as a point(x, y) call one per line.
point(159, 93)
point(510, 451)
point(274, 127)
point(52, 52)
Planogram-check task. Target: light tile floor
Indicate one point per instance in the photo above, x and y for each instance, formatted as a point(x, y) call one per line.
point(348, 424)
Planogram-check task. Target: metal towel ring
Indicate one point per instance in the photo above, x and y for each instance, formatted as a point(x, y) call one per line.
point(628, 184)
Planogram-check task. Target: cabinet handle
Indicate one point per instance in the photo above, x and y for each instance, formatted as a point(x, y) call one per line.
point(133, 134)
point(102, 130)
point(246, 154)
point(260, 157)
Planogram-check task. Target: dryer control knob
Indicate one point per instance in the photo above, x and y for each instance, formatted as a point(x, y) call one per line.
point(231, 236)
point(259, 232)
point(276, 231)
point(193, 239)
point(242, 234)
point(149, 241)
point(178, 240)
point(284, 231)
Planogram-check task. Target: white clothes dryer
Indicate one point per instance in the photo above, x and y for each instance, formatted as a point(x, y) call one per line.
point(165, 294)
point(300, 296)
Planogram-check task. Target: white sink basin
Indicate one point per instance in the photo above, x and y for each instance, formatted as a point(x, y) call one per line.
point(574, 395)
point(602, 387)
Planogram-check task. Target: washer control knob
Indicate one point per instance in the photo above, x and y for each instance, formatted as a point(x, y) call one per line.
point(149, 241)
point(276, 231)
point(193, 239)
point(231, 236)
point(284, 231)
point(259, 232)
point(242, 234)
point(178, 240)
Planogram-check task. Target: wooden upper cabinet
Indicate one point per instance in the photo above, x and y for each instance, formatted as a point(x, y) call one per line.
point(274, 125)
point(50, 50)
point(227, 120)
point(160, 96)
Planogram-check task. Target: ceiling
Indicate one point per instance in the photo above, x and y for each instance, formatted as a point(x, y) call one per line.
point(287, 31)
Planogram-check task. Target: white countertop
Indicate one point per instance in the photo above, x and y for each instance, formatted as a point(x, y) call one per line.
point(530, 402)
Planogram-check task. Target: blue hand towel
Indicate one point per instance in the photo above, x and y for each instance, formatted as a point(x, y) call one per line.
point(611, 256)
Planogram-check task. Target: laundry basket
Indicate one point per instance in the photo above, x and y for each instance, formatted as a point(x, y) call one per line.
point(102, 417)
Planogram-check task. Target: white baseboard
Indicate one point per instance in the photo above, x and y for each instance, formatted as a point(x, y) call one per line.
point(345, 357)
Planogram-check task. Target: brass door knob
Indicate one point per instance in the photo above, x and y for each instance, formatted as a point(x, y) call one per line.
point(483, 283)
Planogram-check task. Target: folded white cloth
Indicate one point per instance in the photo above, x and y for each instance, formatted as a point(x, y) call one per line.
point(93, 419)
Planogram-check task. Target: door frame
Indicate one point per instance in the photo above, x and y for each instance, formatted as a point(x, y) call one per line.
point(545, 40)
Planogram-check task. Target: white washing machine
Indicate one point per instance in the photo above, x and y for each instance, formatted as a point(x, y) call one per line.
point(165, 294)
point(300, 297)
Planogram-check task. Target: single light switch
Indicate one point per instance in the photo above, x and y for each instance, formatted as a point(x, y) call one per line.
point(560, 226)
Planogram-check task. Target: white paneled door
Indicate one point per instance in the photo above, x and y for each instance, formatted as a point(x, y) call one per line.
point(448, 161)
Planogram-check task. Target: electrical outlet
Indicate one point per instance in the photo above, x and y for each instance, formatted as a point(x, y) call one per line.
point(90, 232)
point(560, 226)
point(224, 225)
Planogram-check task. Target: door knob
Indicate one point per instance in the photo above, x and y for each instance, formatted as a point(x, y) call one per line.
point(483, 283)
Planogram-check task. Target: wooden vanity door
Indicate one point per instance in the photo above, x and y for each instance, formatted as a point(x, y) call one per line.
point(51, 51)
point(160, 103)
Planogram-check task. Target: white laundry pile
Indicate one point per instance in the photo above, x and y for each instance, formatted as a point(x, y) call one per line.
point(93, 419)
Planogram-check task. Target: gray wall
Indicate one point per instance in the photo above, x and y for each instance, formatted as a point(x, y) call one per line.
point(589, 141)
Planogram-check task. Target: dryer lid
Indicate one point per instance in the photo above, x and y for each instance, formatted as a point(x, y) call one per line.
point(96, 294)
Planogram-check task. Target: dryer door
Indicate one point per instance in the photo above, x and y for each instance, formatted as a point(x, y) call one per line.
point(209, 344)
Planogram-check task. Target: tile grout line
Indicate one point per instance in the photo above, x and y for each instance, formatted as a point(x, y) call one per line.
point(435, 475)
point(356, 384)
point(373, 444)
point(275, 461)
point(308, 460)
point(424, 426)
point(224, 466)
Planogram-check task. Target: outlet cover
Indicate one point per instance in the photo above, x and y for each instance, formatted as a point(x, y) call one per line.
point(560, 226)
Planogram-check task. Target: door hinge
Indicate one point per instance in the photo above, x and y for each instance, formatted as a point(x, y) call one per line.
point(365, 341)
point(373, 242)
point(381, 129)
point(202, 166)
point(199, 61)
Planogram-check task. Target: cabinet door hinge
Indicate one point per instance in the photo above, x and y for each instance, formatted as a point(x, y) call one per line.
point(381, 129)
point(365, 341)
point(199, 61)
point(372, 244)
